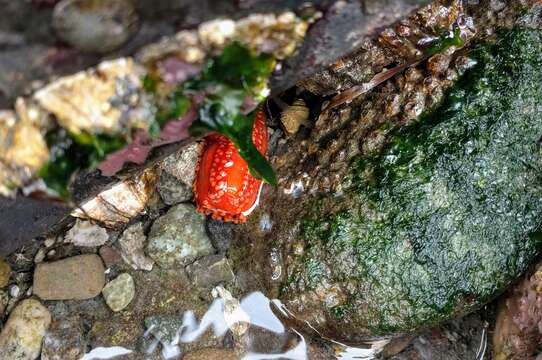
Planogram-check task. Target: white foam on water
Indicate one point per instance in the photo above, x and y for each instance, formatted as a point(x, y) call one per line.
point(101, 353)
point(254, 309)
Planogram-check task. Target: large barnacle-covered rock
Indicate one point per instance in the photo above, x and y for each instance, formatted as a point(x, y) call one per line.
point(388, 221)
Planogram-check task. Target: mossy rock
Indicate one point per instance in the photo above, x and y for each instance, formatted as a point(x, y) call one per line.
point(436, 224)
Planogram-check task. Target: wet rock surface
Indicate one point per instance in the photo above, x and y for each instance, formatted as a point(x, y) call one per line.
point(178, 238)
point(464, 338)
point(518, 327)
point(23, 333)
point(165, 293)
point(320, 234)
point(210, 270)
point(76, 278)
point(65, 339)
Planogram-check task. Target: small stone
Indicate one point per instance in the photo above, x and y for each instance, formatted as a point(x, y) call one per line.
point(110, 256)
point(14, 291)
point(75, 278)
point(132, 244)
point(119, 292)
point(210, 270)
point(178, 238)
point(172, 190)
point(65, 340)
point(5, 272)
point(211, 354)
point(22, 335)
point(220, 233)
point(85, 233)
point(165, 328)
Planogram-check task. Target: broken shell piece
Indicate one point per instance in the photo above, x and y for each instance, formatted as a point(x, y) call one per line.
point(294, 116)
point(122, 202)
point(104, 99)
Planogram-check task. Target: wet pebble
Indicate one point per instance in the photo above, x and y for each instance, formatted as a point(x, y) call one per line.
point(5, 272)
point(118, 293)
point(85, 233)
point(210, 270)
point(76, 278)
point(23, 333)
point(132, 245)
point(178, 238)
point(95, 26)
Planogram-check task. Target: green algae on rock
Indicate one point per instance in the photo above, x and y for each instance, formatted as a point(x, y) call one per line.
point(442, 219)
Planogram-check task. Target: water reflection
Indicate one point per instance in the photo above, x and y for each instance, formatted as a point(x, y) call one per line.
point(227, 313)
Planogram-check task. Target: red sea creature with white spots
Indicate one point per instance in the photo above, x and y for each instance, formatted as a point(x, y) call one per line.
point(224, 187)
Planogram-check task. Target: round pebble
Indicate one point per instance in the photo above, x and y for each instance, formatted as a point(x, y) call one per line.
point(118, 293)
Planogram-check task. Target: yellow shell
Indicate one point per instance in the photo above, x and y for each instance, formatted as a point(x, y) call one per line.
point(294, 116)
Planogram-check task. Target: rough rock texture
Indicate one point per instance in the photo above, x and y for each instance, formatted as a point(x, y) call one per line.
point(220, 233)
point(132, 245)
point(178, 238)
point(65, 339)
point(119, 292)
point(172, 190)
point(23, 333)
point(463, 338)
point(85, 233)
point(5, 272)
point(76, 278)
point(110, 256)
point(385, 222)
point(210, 270)
point(518, 328)
point(165, 328)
